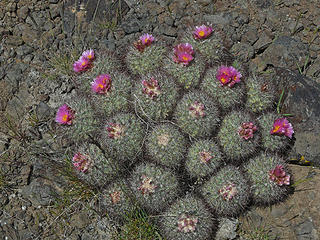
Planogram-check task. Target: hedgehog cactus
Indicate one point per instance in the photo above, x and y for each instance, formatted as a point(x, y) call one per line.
point(270, 141)
point(187, 71)
point(227, 97)
point(197, 115)
point(187, 219)
point(203, 158)
point(177, 121)
point(79, 116)
point(228, 192)
point(145, 56)
point(236, 140)
point(260, 94)
point(154, 187)
point(155, 97)
point(116, 200)
point(166, 145)
point(112, 95)
point(269, 178)
point(123, 135)
point(92, 166)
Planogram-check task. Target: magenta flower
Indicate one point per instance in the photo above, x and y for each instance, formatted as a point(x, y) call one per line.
point(197, 110)
point(228, 191)
point(101, 84)
point(89, 54)
point(282, 126)
point(81, 162)
point(151, 88)
point(224, 75)
point(228, 76)
point(183, 53)
point(202, 32)
point(82, 64)
point(146, 39)
point(187, 223)
point(235, 76)
point(65, 115)
point(279, 176)
point(246, 130)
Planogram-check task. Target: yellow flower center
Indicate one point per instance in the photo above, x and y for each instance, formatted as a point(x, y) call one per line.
point(89, 56)
point(83, 63)
point(65, 117)
point(276, 128)
point(185, 58)
point(201, 33)
point(100, 85)
point(146, 40)
point(223, 80)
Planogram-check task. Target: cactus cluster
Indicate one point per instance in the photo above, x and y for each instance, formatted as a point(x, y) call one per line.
point(182, 132)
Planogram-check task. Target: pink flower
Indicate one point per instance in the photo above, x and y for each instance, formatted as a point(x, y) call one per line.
point(65, 115)
point(279, 176)
point(89, 54)
point(228, 76)
point(235, 76)
point(82, 64)
point(146, 39)
point(151, 88)
point(246, 130)
point(147, 186)
point(282, 126)
point(116, 131)
point(187, 223)
point(228, 191)
point(224, 75)
point(183, 53)
point(81, 162)
point(196, 110)
point(202, 32)
point(101, 84)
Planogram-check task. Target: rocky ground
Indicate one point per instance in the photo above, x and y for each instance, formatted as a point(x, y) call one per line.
point(41, 39)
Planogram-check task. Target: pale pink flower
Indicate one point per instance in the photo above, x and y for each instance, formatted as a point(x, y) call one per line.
point(116, 131)
point(187, 223)
point(89, 54)
point(197, 110)
point(228, 191)
point(246, 130)
point(183, 53)
point(282, 126)
point(82, 64)
point(202, 32)
point(101, 84)
point(65, 115)
point(279, 176)
point(81, 162)
point(151, 88)
point(146, 39)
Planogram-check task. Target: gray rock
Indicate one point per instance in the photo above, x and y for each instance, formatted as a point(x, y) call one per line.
point(243, 51)
point(23, 12)
point(286, 52)
point(24, 50)
point(250, 36)
point(55, 10)
point(131, 27)
point(14, 41)
point(227, 229)
point(80, 220)
point(314, 70)
point(38, 192)
point(43, 111)
point(302, 100)
point(265, 39)
point(304, 230)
